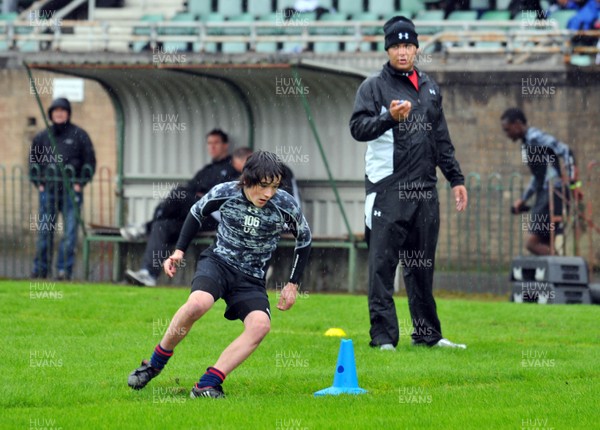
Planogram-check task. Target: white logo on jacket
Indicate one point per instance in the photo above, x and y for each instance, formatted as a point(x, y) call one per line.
point(432, 91)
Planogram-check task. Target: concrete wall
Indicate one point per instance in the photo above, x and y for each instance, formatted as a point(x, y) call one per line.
point(564, 104)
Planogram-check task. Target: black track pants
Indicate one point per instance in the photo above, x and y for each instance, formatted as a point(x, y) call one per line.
point(404, 229)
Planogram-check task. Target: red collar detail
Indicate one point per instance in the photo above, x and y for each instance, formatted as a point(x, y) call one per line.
point(414, 78)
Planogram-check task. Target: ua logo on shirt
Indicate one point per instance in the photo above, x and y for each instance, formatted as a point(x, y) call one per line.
point(432, 91)
point(376, 213)
point(250, 224)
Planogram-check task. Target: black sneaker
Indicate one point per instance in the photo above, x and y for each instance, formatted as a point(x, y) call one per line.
point(215, 392)
point(142, 375)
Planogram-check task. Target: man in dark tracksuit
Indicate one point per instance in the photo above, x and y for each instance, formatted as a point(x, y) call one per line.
point(399, 113)
point(170, 214)
point(59, 171)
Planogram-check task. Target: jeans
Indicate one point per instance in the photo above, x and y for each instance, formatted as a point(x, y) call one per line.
point(46, 222)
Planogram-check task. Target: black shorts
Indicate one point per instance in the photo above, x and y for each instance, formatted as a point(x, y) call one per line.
point(242, 293)
point(539, 222)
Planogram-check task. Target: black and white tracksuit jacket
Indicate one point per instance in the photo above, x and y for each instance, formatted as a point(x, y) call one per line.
point(403, 153)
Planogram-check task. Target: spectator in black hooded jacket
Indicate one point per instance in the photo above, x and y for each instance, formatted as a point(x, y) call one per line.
point(59, 168)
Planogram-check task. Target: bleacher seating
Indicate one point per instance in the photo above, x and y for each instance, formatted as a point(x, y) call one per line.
point(407, 13)
point(199, 7)
point(354, 46)
point(259, 7)
point(271, 18)
point(213, 17)
point(237, 47)
point(326, 47)
point(145, 31)
point(179, 31)
point(6, 17)
point(502, 4)
point(326, 3)
point(414, 6)
point(334, 30)
point(234, 47)
point(350, 6)
point(242, 30)
point(368, 16)
point(463, 15)
point(161, 12)
point(229, 7)
point(10, 16)
point(429, 15)
point(495, 15)
point(381, 7)
point(479, 4)
point(268, 47)
point(133, 10)
point(296, 24)
point(282, 4)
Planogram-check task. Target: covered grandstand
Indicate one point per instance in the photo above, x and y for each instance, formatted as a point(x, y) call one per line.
point(286, 82)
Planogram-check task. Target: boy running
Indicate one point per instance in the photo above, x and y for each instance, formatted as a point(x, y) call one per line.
point(253, 214)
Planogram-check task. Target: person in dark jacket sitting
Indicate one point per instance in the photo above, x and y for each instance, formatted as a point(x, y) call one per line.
point(170, 214)
point(59, 168)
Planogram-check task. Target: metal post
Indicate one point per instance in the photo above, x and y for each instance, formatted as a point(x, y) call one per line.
point(9, 6)
point(91, 9)
point(313, 127)
point(352, 268)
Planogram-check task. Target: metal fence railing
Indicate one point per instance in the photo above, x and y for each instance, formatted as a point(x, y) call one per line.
point(477, 36)
point(487, 236)
point(20, 220)
point(482, 240)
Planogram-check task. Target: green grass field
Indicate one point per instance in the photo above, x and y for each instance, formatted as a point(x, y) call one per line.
point(68, 349)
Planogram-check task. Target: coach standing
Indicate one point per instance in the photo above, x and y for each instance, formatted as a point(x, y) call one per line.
point(398, 112)
point(59, 170)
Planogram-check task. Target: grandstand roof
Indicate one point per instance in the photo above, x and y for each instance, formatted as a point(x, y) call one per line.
point(254, 100)
point(258, 104)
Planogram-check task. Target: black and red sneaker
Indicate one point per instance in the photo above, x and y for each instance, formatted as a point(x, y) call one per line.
point(215, 392)
point(142, 375)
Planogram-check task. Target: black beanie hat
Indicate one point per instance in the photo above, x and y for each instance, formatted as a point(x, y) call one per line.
point(59, 103)
point(400, 29)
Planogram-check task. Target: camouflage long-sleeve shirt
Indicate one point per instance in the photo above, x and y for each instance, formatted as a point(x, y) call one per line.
point(247, 235)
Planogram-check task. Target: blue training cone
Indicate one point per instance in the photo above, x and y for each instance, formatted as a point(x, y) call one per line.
point(345, 380)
